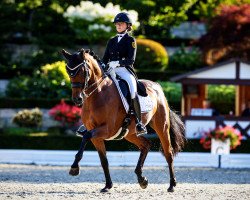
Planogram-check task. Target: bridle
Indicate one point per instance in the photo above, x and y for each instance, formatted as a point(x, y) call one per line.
point(72, 72)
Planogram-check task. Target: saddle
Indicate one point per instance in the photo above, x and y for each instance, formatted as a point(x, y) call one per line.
point(141, 89)
point(146, 103)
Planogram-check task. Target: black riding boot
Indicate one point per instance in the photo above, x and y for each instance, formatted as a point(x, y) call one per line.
point(140, 128)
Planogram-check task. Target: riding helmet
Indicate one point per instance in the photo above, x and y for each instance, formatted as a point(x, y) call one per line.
point(123, 17)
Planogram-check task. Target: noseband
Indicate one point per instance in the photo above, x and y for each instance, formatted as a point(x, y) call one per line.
point(72, 72)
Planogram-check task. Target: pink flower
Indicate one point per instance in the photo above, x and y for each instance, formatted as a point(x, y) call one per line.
point(222, 133)
point(65, 113)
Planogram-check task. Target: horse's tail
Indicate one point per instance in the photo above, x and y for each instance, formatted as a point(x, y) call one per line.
point(177, 132)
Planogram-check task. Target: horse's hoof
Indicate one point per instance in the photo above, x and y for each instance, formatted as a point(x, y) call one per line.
point(171, 189)
point(74, 171)
point(106, 189)
point(144, 183)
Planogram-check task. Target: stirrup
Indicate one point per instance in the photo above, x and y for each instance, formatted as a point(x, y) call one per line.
point(81, 131)
point(140, 129)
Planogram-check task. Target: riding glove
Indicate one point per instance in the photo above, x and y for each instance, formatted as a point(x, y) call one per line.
point(114, 64)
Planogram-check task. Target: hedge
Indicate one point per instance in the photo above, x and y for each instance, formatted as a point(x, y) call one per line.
point(151, 56)
point(49, 103)
point(73, 143)
point(6, 102)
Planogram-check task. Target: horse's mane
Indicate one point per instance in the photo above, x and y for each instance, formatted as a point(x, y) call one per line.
point(93, 54)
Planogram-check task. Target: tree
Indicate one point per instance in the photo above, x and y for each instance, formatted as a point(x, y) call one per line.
point(206, 9)
point(228, 35)
point(38, 22)
point(158, 16)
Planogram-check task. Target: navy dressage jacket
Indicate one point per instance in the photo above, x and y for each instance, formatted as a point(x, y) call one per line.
point(123, 51)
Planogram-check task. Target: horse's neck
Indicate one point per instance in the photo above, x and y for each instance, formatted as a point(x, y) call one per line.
point(97, 78)
point(97, 75)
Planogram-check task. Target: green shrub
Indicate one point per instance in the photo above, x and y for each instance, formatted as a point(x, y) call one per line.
point(184, 59)
point(29, 102)
point(28, 118)
point(221, 93)
point(172, 91)
point(222, 97)
point(56, 72)
point(151, 56)
point(51, 81)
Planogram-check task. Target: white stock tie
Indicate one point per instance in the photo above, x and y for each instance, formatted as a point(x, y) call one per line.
point(119, 36)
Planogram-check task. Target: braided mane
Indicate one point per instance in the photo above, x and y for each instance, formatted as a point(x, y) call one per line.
point(92, 53)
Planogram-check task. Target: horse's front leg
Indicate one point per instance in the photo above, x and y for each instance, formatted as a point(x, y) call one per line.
point(75, 169)
point(100, 147)
point(144, 145)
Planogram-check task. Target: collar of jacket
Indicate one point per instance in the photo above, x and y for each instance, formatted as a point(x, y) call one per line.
point(121, 35)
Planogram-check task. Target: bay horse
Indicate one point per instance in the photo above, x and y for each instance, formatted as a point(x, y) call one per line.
point(103, 114)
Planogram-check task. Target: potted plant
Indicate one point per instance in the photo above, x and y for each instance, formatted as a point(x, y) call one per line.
point(222, 134)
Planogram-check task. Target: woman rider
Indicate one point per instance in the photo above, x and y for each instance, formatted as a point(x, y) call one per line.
point(120, 56)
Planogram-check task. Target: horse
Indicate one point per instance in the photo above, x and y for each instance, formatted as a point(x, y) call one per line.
point(103, 114)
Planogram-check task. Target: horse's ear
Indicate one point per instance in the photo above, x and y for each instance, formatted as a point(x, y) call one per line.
point(82, 51)
point(66, 54)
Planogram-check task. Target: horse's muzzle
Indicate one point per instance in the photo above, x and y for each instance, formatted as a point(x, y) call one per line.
point(77, 100)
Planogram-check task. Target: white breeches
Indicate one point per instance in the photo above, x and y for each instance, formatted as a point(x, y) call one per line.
point(130, 79)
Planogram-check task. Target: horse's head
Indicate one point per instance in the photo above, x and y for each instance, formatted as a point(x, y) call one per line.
point(80, 67)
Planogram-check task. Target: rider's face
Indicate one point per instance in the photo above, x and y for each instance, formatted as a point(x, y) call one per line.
point(120, 27)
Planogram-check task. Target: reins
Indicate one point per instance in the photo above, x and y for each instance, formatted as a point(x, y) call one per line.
point(84, 95)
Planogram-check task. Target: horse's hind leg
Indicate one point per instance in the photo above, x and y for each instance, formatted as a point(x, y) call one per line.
point(100, 147)
point(161, 125)
point(144, 145)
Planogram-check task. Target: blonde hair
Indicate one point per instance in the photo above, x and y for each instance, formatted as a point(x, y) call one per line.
point(130, 28)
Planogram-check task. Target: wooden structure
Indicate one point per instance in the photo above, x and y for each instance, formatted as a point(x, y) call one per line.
point(194, 91)
point(194, 84)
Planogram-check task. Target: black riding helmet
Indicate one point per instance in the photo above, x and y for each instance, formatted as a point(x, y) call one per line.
point(123, 17)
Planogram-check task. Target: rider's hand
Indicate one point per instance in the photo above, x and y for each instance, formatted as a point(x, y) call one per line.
point(114, 64)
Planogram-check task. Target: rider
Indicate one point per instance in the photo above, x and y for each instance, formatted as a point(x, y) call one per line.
point(120, 55)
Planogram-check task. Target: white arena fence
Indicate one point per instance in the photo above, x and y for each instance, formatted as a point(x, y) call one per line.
point(122, 158)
